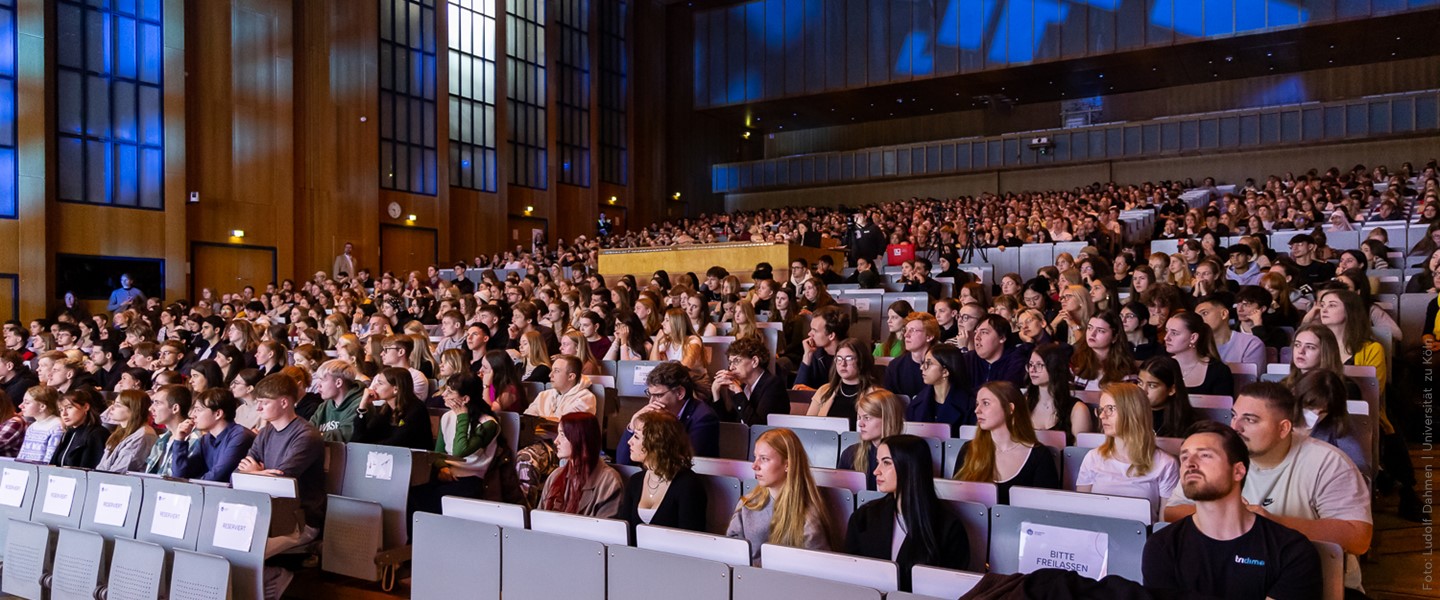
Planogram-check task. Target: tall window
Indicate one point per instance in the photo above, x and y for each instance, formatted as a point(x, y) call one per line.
point(525, 73)
point(110, 126)
point(574, 101)
point(614, 70)
point(472, 94)
point(8, 176)
point(408, 160)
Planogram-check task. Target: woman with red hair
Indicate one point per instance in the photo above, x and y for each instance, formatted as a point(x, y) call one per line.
point(585, 485)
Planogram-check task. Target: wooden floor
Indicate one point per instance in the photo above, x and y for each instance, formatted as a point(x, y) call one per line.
point(1395, 570)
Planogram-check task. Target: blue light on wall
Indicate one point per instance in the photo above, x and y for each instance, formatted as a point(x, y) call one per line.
point(109, 108)
point(9, 202)
point(766, 49)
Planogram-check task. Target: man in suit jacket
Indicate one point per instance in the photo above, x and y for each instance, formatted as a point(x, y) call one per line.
point(672, 390)
point(747, 390)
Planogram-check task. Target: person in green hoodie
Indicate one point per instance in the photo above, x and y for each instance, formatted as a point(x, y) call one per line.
point(340, 398)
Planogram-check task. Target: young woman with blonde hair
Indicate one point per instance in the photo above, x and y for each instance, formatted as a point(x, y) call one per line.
point(786, 507)
point(1128, 463)
point(880, 414)
point(1005, 450)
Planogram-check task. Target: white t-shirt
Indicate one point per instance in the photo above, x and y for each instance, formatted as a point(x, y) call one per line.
point(1112, 476)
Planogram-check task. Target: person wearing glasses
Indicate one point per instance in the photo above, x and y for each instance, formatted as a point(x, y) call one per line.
point(395, 352)
point(1052, 405)
point(849, 380)
point(942, 399)
point(747, 391)
point(921, 333)
point(1128, 463)
point(671, 390)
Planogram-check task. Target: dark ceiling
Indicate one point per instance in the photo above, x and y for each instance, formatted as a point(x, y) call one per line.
point(1353, 43)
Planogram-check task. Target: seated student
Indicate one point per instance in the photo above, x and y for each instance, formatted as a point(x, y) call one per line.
point(1252, 316)
point(990, 359)
point(920, 333)
point(1188, 341)
point(671, 390)
point(881, 415)
point(129, 444)
point(474, 461)
point(786, 507)
point(502, 382)
point(288, 446)
point(1139, 333)
point(1323, 415)
point(340, 399)
point(584, 485)
point(43, 435)
point(1171, 414)
point(1302, 483)
point(532, 360)
point(849, 380)
point(84, 440)
point(12, 427)
point(909, 525)
point(399, 419)
point(1128, 463)
point(222, 443)
point(1235, 347)
point(1222, 549)
point(1005, 451)
point(893, 346)
point(828, 326)
point(1102, 356)
point(169, 406)
point(1051, 403)
point(247, 415)
point(666, 493)
point(943, 398)
point(679, 343)
point(747, 391)
point(631, 343)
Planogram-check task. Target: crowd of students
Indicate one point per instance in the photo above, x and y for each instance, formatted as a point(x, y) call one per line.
point(256, 382)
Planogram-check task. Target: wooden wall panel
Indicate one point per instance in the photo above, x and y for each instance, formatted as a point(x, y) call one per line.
point(9, 296)
point(229, 268)
point(337, 101)
point(406, 249)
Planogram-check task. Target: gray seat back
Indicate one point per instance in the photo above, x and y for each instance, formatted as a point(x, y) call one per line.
point(444, 546)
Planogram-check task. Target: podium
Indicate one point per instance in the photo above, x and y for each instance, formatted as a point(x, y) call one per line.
point(739, 258)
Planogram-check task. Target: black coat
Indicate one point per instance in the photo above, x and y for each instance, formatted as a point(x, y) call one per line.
point(684, 506)
point(768, 398)
point(872, 529)
point(81, 446)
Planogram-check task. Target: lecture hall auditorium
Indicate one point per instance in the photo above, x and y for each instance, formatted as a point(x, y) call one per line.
point(718, 299)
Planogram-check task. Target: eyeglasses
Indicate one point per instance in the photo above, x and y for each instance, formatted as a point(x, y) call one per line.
point(1108, 409)
point(658, 395)
point(927, 363)
point(1128, 316)
point(846, 359)
point(389, 348)
point(1035, 366)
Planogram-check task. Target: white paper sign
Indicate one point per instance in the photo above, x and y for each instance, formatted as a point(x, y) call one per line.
point(1050, 547)
point(235, 526)
point(172, 513)
point(379, 465)
point(111, 504)
point(642, 374)
point(862, 304)
point(12, 487)
point(59, 495)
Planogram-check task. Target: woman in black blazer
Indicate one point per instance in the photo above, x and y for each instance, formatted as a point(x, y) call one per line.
point(933, 536)
point(84, 441)
point(667, 493)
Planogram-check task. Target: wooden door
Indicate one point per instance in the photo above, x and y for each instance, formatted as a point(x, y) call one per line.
point(405, 249)
point(227, 268)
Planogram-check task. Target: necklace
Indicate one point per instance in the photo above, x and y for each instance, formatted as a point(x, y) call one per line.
point(1011, 448)
point(654, 487)
point(853, 394)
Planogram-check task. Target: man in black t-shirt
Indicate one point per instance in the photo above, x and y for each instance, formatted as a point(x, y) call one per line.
point(1309, 270)
point(1224, 549)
